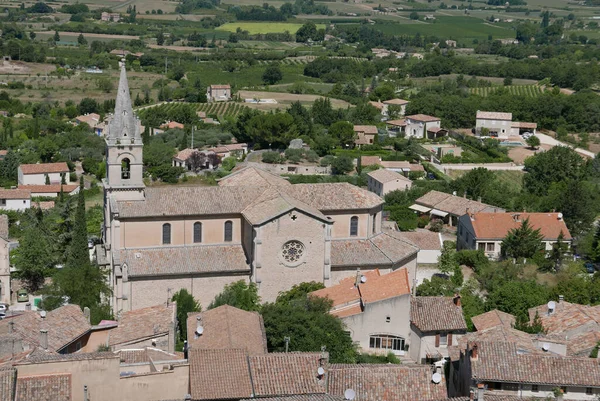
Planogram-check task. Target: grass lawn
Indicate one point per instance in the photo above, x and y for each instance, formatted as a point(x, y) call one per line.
point(513, 178)
point(263, 27)
point(213, 73)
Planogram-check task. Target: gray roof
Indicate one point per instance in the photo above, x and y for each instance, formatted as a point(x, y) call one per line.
point(194, 201)
point(123, 123)
point(252, 176)
point(174, 260)
point(382, 249)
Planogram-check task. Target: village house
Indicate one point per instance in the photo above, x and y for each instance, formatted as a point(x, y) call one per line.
point(92, 120)
point(429, 243)
point(237, 150)
point(423, 126)
point(396, 102)
point(436, 324)
point(218, 93)
point(449, 208)
point(50, 191)
point(365, 134)
point(500, 125)
point(274, 234)
point(15, 199)
point(444, 149)
point(374, 308)
point(505, 368)
point(110, 17)
point(382, 182)
point(402, 167)
point(172, 125)
point(5, 246)
point(485, 231)
point(40, 173)
point(193, 159)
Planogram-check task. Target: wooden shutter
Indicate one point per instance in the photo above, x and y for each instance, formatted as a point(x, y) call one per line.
point(437, 340)
point(449, 339)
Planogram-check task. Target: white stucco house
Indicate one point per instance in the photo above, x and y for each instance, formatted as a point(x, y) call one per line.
point(382, 182)
point(15, 199)
point(423, 126)
point(500, 125)
point(37, 174)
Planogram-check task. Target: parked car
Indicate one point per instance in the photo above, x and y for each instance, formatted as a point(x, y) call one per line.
point(3, 308)
point(22, 295)
point(2, 315)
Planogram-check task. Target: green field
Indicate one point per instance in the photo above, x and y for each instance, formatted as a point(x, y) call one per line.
point(521, 90)
point(263, 27)
point(464, 29)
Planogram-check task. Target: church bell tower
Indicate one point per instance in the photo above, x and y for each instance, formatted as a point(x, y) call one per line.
point(124, 148)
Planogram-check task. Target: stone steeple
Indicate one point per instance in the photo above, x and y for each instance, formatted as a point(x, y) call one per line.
point(124, 126)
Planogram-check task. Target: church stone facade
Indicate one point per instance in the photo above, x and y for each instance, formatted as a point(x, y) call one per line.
point(253, 226)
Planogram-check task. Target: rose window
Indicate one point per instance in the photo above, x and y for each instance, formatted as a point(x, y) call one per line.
point(292, 251)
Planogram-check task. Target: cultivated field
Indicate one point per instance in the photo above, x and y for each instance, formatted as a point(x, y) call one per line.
point(263, 27)
point(288, 98)
point(521, 90)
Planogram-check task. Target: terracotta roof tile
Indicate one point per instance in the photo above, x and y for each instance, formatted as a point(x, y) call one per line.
point(455, 205)
point(423, 118)
point(423, 239)
point(42, 168)
point(303, 397)
point(7, 383)
point(184, 154)
point(493, 115)
point(198, 259)
point(39, 355)
point(287, 374)
point(346, 296)
point(383, 176)
point(436, 314)
point(382, 249)
point(140, 324)
point(273, 203)
point(397, 123)
point(227, 327)
point(220, 86)
point(524, 125)
point(367, 129)
point(54, 387)
point(219, 374)
point(493, 318)
point(334, 196)
point(497, 225)
point(505, 362)
point(64, 325)
point(14, 194)
point(370, 161)
point(52, 188)
point(386, 382)
point(398, 102)
point(147, 354)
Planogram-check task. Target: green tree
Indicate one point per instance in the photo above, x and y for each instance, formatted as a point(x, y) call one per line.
point(186, 303)
point(240, 295)
point(272, 74)
point(475, 183)
point(535, 327)
point(522, 242)
point(160, 38)
point(559, 164)
point(306, 32)
point(33, 258)
point(56, 37)
point(517, 296)
point(146, 135)
point(533, 142)
point(78, 250)
point(306, 321)
point(298, 292)
point(343, 131)
point(81, 40)
point(342, 165)
point(559, 249)
point(447, 262)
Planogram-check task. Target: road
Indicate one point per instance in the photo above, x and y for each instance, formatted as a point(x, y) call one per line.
point(548, 140)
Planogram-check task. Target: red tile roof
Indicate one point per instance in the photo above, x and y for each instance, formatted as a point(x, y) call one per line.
point(497, 225)
point(436, 314)
point(14, 194)
point(220, 86)
point(493, 115)
point(146, 354)
point(227, 327)
point(52, 188)
point(376, 288)
point(386, 382)
point(370, 160)
point(493, 318)
point(140, 324)
point(398, 102)
point(424, 239)
point(42, 168)
point(54, 387)
point(367, 129)
point(423, 118)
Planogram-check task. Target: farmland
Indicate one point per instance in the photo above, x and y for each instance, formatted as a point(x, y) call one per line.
point(220, 109)
point(262, 28)
point(519, 90)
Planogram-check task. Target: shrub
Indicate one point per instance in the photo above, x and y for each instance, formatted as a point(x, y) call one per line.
point(327, 160)
point(472, 258)
point(271, 157)
point(436, 226)
point(423, 221)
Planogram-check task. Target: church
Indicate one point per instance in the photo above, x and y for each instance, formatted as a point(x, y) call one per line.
point(253, 226)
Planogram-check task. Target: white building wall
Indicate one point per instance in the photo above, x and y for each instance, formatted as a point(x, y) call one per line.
point(40, 179)
point(502, 127)
point(428, 256)
point(15, 204)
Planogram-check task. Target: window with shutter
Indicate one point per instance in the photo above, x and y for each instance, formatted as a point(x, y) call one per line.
point(437, 340)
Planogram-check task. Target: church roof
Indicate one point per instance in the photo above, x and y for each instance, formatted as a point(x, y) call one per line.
point(252, 176)
point(177, 260)
point(382, 249)
point(123, 123)
point(193, 201)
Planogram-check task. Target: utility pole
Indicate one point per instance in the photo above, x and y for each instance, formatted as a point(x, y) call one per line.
point(192, 144)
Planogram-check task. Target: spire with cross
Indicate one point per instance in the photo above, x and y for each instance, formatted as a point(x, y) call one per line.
point(124, 126)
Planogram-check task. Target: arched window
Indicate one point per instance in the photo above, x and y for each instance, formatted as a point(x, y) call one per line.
point(166, 234)
point(353, 226)
point(197, 232)
point(125, 169)
point(228, 231)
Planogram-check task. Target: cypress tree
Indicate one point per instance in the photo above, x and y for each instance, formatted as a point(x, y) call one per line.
point(78, 251)
point(146, 135)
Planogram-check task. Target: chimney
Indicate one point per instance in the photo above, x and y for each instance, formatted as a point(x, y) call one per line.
point(474, 352)
point(479, 199)
point(467, 212)
point(456, 300)
point(480, 391)
point(86, 313)
point(561, 299)
point(44, 338)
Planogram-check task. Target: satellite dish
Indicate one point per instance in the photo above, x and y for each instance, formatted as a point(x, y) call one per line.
point(43, 313)
point(436, 378)
point(349, 394)
point(199, 330)
point(560, 216)
point(551, 305)
point(546, 346)
point(320, 371)
point(363, 279)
